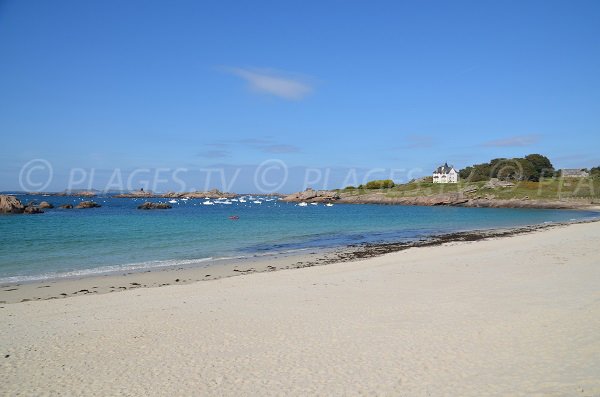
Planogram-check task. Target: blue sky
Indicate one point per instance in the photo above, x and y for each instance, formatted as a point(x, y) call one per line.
point(337, 85)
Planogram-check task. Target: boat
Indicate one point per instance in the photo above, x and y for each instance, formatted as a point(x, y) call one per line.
point(313, 203)
point(257, 202)
point(234, 217)
point(173, 201)
point(208, 202)
point(329, 205)
point(303, 204)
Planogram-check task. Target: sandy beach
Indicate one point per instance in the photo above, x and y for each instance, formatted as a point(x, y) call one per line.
point(508, 316)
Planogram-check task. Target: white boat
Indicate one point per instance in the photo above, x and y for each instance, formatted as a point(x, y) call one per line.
point(302, 204)
point(313, 204)
point(184, 199)
point(257, 202)
point(242, 201)
point(329, 205)
point(226, 202)
point(173, 201)
point(208, 202)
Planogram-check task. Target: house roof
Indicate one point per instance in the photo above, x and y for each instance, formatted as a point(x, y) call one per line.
point(443, 169)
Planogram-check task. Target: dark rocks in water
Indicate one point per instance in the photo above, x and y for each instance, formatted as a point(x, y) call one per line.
point(45, 204)
point(87, 204)
point(66, 206)
point(315, 196)
point(154, 206)
point(32, 209)
point(10, 205)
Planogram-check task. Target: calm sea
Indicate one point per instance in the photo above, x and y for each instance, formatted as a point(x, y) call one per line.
point(119, 237)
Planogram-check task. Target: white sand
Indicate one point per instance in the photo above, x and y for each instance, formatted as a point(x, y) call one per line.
point(511, 316)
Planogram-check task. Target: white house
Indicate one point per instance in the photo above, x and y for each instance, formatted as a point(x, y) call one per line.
point(574, 173)
point(445, 174)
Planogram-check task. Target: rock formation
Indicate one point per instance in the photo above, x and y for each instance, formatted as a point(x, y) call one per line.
point(32, 209)
point(10, 205)
point(45, 204)
point(154, 206)
point(315, 196)
point(87, 204)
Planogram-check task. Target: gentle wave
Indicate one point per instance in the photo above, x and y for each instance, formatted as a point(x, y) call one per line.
point(109, 269)
point(135, 267)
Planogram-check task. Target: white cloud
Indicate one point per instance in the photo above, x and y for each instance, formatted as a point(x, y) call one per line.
point(274, 83)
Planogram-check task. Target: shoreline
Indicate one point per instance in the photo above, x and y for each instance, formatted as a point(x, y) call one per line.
point(511, 316)
point(118, 281)
point(450, 199)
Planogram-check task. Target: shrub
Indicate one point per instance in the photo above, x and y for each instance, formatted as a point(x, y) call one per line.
point(380, 184)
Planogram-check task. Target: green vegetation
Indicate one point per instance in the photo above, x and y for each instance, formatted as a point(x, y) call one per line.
point(531, 177)
point(547, 189)
point(533, 167)
point(380, 184)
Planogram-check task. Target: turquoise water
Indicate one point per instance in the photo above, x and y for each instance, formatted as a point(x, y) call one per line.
point(119, 237)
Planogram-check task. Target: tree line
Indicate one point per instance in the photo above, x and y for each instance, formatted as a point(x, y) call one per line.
point(532, 167)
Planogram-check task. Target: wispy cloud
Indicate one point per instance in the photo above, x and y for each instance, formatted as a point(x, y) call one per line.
point(214, 154)
point(255, 141)
point(514, 141)
point(274, 83)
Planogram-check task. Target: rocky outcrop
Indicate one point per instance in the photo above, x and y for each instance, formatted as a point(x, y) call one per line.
point(10, 205)
point(213, 194)
point(495, 183)
point(469, 189)
point(73, 193)
point(380, 198)
point(465, 198)
point(136, 194)
point(522, 203)
point(66, 206)
point(45, 204)
point(32, 209)
point(87, 204)
point(153, 206)
point(313, 196)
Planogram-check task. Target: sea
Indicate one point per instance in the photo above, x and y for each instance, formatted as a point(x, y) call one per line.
point(118, 237)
